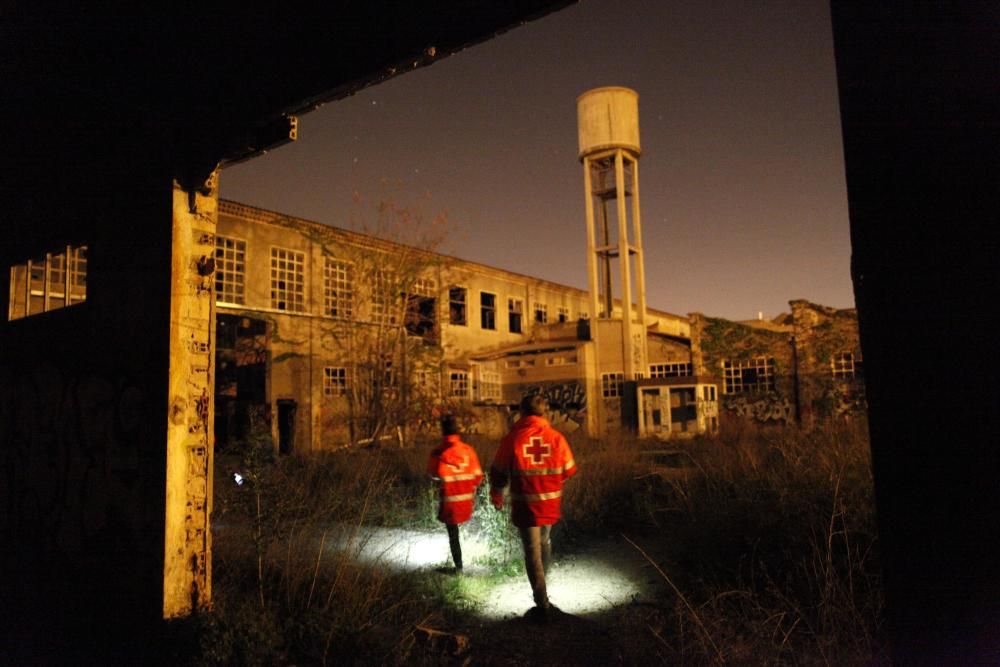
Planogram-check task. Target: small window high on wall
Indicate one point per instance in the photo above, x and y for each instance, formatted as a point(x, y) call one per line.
point(48, 282)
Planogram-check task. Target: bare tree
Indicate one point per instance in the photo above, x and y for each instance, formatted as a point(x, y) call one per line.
point(383, 294)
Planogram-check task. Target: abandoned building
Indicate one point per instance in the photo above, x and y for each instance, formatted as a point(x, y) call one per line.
point(105, 500)
point(327, 336)
point(306, 312)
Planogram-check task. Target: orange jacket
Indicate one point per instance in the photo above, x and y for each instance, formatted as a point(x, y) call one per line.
point(535, 460)
point(457, 466)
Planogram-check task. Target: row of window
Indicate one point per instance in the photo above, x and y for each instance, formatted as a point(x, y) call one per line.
point(53, 280)
point(550, 360)
point(458, 299)
point(288, 291)
point(337, 382)
point(749, 376)
point(756, 376)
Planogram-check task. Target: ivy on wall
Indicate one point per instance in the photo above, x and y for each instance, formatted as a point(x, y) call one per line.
point(802, 348)
point(724, 339)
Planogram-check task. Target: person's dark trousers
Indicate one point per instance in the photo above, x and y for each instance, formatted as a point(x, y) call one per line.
point(456, 546)
point(537, 555)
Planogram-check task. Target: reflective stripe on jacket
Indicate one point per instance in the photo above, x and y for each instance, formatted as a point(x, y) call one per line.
point(534, 459)
point(457, 466)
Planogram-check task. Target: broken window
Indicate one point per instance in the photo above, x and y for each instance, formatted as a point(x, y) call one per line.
point(48, 282)
point(421, 311)
point(459, 384)
point(338, 288)
point(541, 313)
point(421, 316)
point(563, 314)
point(230, 270)
point(671, 370)
point(845, 366)
point(683, 410)
point(515, 311)
point(334, 381)
point(456, 305)
point(488, 311)
point(752, 376)
point(288, 280)
point(612, 384)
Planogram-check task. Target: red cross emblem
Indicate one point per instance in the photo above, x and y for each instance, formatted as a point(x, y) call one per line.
point(536, 450)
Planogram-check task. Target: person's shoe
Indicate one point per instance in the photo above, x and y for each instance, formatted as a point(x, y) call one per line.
point(539, 615)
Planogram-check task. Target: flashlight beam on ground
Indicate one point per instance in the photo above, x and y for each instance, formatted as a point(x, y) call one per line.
point(580, 584)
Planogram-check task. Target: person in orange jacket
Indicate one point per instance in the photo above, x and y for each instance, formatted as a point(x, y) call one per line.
point(456, 466)
point(534, 460)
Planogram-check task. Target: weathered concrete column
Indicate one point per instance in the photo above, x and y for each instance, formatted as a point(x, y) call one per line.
point(191, 411)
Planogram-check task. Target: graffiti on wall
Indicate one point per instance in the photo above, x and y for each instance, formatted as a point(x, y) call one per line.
point(762, 408)
point(73, 477)
point(567, 403)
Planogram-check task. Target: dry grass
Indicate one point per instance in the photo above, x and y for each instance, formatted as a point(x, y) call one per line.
point(765, 536)
point(281, 594)
point(771, 534)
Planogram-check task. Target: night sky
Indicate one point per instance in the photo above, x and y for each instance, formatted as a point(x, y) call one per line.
point(743, 198)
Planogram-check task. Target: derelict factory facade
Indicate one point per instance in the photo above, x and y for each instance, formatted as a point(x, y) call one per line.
point(299, 304)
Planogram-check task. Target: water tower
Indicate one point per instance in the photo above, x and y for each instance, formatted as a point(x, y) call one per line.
point(608, 124)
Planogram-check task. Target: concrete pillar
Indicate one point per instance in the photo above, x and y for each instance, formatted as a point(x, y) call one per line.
point(191, 402)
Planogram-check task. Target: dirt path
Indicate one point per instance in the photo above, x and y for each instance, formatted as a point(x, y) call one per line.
point(601, 588)
point(605, 591)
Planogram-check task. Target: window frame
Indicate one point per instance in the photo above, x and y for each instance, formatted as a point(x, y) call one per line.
point(277, 272)
point(487, 312)
point(463, 305)
point(612, 385)
point(513, 313)
point(237, 267)
point(734, 375)
point(541, 313)
point(489, 386)
point(846, 366)
point(35, 280)
point(458, 385)
point(671, 369)
point(335, 381)
point(420, 317)
point(381, 304)
point(338, 288)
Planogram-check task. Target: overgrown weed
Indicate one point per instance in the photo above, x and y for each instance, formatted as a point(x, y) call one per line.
point(772, 534)
point(767, 537)
point(288, 584)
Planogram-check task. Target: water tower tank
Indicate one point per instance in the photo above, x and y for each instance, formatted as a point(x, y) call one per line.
point(608, 118)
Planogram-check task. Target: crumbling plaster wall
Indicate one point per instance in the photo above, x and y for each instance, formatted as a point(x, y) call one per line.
point(667, 351)
point(802, 347)
point(715, 340)
point(820, 333)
